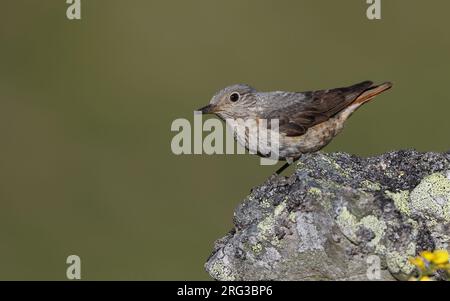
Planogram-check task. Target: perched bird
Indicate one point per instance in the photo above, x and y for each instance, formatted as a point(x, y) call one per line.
point(308, 121)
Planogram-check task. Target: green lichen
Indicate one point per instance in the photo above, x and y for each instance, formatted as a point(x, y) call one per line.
point(378, 227)
point(315, 191)
point(401, 201)
point(221, 272)
point(322, 197)
point(347, 222)
point(275, 241)
point(336, 166)
point(280, 208)
point(398, 263)
point(300, 165)
point(265, 227)
point(327, 203)
point(431, 198)
point(369, 185)
point(265, 203)
point(349, 225)
point(292, 217)
point(380, 249)
point(257, 248)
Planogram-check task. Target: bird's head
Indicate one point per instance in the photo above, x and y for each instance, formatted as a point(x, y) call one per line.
point(231, 102)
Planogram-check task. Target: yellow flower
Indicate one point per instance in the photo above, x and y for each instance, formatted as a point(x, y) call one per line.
point(444, 266)
point(418, 262)
point(440, 257)
point(429, 256)
point(425, 278)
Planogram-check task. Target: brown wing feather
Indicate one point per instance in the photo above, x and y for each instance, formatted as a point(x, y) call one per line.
point(317, 107)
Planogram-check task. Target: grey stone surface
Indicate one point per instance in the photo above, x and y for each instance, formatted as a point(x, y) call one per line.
point(334, 213)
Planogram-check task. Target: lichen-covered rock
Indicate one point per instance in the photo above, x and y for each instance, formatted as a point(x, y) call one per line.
point(339, 217)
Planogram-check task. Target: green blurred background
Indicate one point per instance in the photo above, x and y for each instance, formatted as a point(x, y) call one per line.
point(86, 108)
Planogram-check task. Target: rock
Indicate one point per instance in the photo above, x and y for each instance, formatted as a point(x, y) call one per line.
point(339, 217)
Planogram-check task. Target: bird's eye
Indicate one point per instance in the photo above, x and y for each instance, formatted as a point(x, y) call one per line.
point(234, 96)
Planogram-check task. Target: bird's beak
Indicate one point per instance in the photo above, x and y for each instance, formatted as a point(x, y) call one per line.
point(206, 109)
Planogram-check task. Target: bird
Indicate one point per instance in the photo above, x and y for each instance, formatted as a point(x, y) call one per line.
point(307, 121)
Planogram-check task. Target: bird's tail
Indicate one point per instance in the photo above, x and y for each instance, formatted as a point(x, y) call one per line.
point(371, 92)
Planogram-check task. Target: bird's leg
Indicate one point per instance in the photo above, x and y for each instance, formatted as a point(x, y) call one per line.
point(289, 161)
point(282, 168)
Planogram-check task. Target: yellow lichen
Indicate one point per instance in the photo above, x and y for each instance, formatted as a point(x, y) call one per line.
point(431, 197)
point(401, 201)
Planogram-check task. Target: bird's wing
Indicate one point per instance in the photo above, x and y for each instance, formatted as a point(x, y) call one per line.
point(297, 112)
